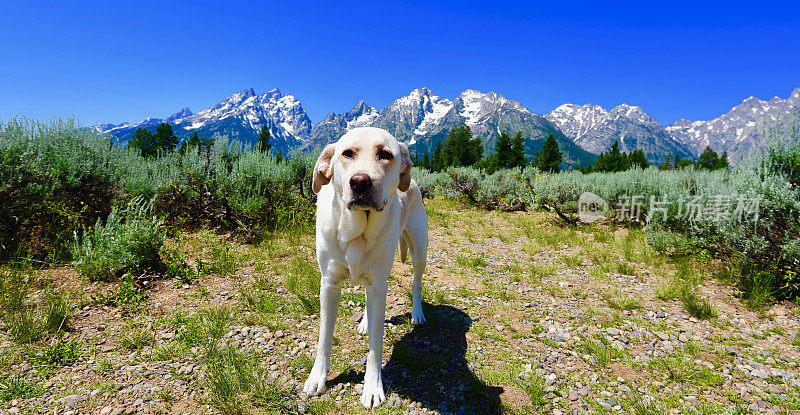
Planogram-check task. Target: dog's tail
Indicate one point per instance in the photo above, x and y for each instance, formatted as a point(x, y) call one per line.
point(403, 249)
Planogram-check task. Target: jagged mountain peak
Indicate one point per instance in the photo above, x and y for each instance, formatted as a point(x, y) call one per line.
point(738, 129)
point(633, 113)
point(360, 107)
point(183, 113)
point(273, 94)
point(240, 115)
point(595, 129)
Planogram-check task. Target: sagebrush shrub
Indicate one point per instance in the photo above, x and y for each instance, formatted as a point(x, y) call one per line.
point(54, 179)
point(59, 177)
point(130, 240)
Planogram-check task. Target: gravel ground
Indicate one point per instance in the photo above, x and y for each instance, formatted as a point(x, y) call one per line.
point(503, 336)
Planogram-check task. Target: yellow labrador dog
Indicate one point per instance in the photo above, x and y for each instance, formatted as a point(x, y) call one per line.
point(366, 204)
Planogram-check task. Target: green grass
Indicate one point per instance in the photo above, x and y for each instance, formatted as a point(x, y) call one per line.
point(62, 353)
point(223, 259)
point(647, 405)
point(616, 300)
point(169, 351)
point(474, 263)
point(303, 280)
point(215, 321)
point(600, 349)
point(127, 296)
point(697, 306)
point(135, 335)
point(259, 300)
point(29, 321)
point(17, 387)
point(238, 384)
point(572, 261)
point(678, 367)
point(542, 270)
point(535, 389)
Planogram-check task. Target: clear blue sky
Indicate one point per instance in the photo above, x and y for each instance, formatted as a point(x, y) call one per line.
point(114, 61)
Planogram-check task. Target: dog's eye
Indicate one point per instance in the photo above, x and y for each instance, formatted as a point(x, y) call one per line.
point(385, 155)
point(348, 154)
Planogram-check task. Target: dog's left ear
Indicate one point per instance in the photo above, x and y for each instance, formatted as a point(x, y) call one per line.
point(323, 169)
point(405, 173)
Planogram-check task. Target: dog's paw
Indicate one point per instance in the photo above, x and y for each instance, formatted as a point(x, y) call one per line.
point(315, 383)
point(416, 316)
point(373, 395)
point(363, 326)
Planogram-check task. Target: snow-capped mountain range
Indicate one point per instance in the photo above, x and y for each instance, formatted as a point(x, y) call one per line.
point(737, 130)
point(239, 116)
point(422, 118)
point(595, 129)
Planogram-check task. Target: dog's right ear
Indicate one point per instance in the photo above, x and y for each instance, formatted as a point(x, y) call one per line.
point(323, 170)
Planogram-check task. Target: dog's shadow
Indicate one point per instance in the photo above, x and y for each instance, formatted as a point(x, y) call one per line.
point(428, 365)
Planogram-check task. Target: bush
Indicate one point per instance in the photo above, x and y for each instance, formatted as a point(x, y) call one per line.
point(762, 198)
point(58, 178)
point(54, 179)
point(129, 241)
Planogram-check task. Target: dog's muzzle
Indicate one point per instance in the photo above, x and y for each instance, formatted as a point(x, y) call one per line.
point(362, 188)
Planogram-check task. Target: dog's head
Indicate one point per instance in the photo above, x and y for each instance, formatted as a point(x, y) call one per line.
point(366, 166)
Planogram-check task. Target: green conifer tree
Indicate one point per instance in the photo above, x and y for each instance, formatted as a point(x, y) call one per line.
point(549, 157)
point(263, 140)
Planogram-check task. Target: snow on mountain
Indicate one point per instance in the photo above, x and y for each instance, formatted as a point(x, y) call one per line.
point(422, 119)
point(239, 116)
point(418, 113)
point(576, 120)
point(737, 130)
point(334, 125)
point(595, 129)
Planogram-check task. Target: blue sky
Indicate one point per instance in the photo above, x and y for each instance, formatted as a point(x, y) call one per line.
point(116, 61)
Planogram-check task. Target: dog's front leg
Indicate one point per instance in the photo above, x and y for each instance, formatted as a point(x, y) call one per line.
point(373, 394)
point(330, 292)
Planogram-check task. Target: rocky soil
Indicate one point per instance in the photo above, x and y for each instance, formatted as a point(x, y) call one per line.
point(525, 316)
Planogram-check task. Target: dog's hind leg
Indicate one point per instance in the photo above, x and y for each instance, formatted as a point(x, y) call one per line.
point(363, 325)
point(417, 231)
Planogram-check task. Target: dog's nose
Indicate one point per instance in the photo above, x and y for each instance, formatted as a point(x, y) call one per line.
point(360, 182)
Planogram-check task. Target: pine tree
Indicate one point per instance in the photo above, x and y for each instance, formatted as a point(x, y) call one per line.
point(460, 149)
point(549, 157)
point(615, 159)
point(426, 162)
point(501, 159)
point(518, 151)
point(677, 163)
point(142, 141)
point(638, 159)
point(722, 162)
point(194, 141)
point(263, 140)
point(666, 165)
point(165, 139)
point(436, 163)
point(708, 159)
